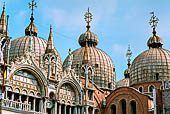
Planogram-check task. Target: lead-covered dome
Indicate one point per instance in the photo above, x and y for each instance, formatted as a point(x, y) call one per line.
point(153, 64)
point(20, 47)
point(104, 69)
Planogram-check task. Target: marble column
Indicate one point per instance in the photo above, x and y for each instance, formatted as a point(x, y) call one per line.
point(75, 110)
point(78, 110)
point(70, 110)
point(65, 109)
point(82, 110)
point(34, 104)
point(93, 110)
point(41, 105)
point(6, 95)
point(55, 109)
point(59, 108)
point(86, 109)
point(45, 107)
point(12, 97)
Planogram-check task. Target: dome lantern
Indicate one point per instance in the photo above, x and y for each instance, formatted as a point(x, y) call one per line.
point(154, 41)
point(31, 29)
point(92, 39)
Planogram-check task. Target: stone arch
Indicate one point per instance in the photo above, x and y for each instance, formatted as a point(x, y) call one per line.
point(24, 91)
point(9, 88)
point(17, 90)
point(37, 74)
point(31, 93)
point(150, 88)
point(75, 85)
point(141, 89)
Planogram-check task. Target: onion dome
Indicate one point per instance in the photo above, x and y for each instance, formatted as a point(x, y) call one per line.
point(91, 39)
point(127, 73)
point(155, 42)
point(34, 45)
point(31, 29)
point(3, 24)
point(153, 64)
point(88, 35)
point(104, 74)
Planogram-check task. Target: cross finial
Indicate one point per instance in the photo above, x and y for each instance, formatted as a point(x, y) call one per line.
point(32, 6)
point(153, 22)
point(129, 55)
point(88, 18)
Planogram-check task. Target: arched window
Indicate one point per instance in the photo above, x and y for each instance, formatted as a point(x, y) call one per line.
point(157, 76)
point(140, 89)
point(96, 111)
point(113, 109)
point(123, 106)
point(133, 107)
point(151, 88)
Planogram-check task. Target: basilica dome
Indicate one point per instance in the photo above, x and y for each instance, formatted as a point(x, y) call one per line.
point(104, 69)
point(152, 65)
point(20, 46)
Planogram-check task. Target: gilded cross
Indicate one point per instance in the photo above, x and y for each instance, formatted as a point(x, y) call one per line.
point(153, 21)
point(88, 18)
point(32, 6)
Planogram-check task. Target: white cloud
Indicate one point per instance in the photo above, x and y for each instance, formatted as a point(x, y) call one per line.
point(21, 14)
point(71, 18)
point(119, 50)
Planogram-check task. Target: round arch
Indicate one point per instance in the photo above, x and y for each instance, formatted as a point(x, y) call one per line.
point(73, 84)
point(36, 72)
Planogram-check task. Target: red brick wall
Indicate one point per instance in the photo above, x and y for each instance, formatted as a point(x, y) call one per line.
point(128, 94)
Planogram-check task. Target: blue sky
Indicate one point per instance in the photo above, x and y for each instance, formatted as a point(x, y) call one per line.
point(117, 23)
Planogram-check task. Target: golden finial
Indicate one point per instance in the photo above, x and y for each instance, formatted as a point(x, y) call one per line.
point(88, 18)
point(32, 6)
point(129, 55)
point(153, 22)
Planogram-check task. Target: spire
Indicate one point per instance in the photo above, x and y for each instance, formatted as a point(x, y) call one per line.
point(154, 41)
point(85, 57)
point(88, 19)
point(3, 24)
point(31, 29)
point(50, 45)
